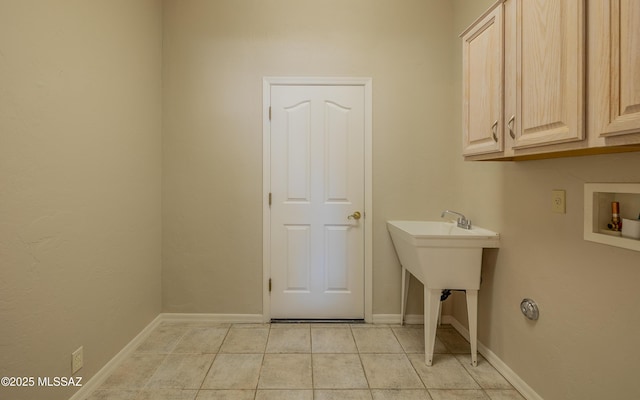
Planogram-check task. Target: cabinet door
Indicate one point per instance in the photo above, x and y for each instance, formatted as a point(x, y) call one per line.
point(482, 58)
point(622, 37)
point(549, 66)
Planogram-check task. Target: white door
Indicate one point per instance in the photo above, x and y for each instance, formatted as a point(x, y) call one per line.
point(317, 208)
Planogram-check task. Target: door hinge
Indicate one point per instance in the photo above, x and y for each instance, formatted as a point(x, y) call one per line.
point(269, 199)
point(269, 285)
point(269, 113)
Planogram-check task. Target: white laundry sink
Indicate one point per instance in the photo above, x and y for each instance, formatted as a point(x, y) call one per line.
point(441, 256)
point(442, 234)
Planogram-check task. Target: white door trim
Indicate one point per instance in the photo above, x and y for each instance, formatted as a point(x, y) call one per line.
point(366, 83)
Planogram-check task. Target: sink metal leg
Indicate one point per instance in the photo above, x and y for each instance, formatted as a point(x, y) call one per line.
point(406, 276)
point(431, 308)
point(472, 310)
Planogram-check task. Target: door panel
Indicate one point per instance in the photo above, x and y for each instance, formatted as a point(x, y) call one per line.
point(297, 151)
point(550, 72)
point(336, 259)
point(624, 51)
point(317, 182)
point(298, 255)
point(337, 152)
point(482, 60)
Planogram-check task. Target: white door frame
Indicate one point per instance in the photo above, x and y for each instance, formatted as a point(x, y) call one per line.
point(366, 83)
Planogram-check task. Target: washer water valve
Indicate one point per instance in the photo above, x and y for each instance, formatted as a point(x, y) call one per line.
point(530, 309)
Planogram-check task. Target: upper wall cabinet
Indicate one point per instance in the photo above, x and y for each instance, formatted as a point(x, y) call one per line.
point(482, 66)
point(555, 98)
point(545, 80)
point(619, 68)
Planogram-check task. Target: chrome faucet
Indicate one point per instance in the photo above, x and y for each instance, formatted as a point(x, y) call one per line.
point(463, 222)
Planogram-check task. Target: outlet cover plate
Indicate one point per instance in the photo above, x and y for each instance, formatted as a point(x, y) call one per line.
point(558, 201)
point(77, 360)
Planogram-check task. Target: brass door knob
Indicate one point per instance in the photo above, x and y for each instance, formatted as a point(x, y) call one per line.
point(356, 215)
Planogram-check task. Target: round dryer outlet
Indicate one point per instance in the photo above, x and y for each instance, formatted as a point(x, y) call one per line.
point(530, 309)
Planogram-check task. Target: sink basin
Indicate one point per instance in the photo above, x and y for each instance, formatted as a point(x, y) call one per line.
point(441, 234)
point(441, 256)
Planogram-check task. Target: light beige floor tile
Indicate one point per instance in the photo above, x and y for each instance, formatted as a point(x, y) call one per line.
point(250, 326)
point(302, 325)
point(440, 348)
point(167, 394)
point(458, 395)
point(408, 326)
point(411, 339)
point(226, 395)
point(440, 360)
point(332, 340)
point(201, 340)
point(113, 394)
point(162, 339)
point(276, 394)
point(445, 373)
point(453, 341)
point(285, 371)
point(289, 371)
point(321, 325)
point(134, 372)
point(376, 340)
point(369, 326)
point(289, 340)
point(390, 371)
point(183, 371)
point(499, 394)
point(197, 324)
point(338, 371)
point(400, 394)
point(245, 340)
point(234, 371)
point(486, 376)
point(358, 394)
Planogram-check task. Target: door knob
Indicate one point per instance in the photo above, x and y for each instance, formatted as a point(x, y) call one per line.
point(356, 215)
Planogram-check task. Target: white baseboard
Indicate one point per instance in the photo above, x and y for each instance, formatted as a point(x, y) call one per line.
point(213, 318)
point(102, 375)
point(386, 319)
point(513, 378)
point(414, 319)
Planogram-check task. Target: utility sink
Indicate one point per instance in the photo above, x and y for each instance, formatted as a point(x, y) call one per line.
point(442, 234)
point(441, 256)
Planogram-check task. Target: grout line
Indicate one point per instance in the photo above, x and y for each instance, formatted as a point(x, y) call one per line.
point(212, 361)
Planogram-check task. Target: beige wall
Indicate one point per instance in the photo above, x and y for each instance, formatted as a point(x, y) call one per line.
point(215, 56)
point(80, 157)
point(584, 346)
point(80, 115)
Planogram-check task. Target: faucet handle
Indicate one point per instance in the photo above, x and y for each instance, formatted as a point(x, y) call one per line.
point(464, 223)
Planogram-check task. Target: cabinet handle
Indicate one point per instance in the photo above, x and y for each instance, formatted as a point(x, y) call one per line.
point(510, 126)
point(494, 130)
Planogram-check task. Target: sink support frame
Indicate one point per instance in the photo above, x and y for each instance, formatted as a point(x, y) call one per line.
point(432, 314)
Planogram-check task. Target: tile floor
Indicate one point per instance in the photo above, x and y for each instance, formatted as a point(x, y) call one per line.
point(186, 361)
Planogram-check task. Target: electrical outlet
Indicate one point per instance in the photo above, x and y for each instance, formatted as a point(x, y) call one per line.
point(558, 204)
point(77, 360)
